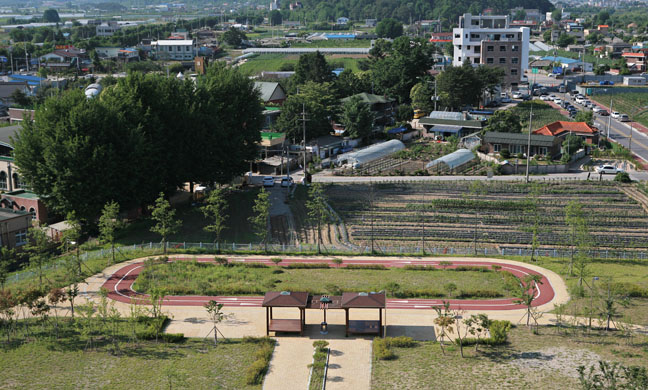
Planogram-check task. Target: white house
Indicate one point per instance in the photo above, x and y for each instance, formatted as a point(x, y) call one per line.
point(174, 49)
point(107, 29)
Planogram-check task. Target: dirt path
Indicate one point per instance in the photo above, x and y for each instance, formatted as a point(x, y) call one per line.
point(289, 365)
point(349, 365)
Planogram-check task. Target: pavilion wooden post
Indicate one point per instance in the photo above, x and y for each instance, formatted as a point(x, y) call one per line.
point(346, 322)
point(380, 325)
point(302, 316)
point(267, 321)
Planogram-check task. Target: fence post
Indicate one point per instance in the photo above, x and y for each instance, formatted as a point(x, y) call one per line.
point(200, 245)
point(184, 245)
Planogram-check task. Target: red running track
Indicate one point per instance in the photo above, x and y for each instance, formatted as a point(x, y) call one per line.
point(119, 286)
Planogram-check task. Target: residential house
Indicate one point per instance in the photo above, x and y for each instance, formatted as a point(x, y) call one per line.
point(271, 92)
point(371, 22)
point(617, 47)
point(18, 115)
point(561, 129)
point(570, 64)
point(13, 228)
point(603, 29)
point(444, 124)
point(118, 54)
point(441, 37)
point(8, 88)
point(544, 145)
point(107, 29)
point(63, 59)
point(636, 61)
point(382, 107)
point(342, 20)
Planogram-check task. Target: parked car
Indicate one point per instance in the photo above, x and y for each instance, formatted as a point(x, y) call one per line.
point(615, 114)
point(558, 101)
point(606, 82)
point(624, 118)
point(553, 97)
point(579, 99)
point(517, 95)
point(287, 181)
point(597, 109)
point(608, 169)
point(268, 181)
point(604, 113)
point(506, 100)
point(545, 97)
point(526, 98)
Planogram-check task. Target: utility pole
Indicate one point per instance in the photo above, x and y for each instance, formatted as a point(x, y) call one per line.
point(435, 95)
point(529, 142)
point(609, 120)
point(304, 131)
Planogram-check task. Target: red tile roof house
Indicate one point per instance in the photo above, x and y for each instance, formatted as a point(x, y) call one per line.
point(562, 129)
point(636, 61)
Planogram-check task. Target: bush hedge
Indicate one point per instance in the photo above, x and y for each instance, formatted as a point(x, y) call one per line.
point(256, 371)
point(366, 266)
point(382, 348)
point(307, 265)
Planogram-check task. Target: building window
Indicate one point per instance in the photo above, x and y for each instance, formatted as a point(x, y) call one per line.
point(490, 48)
point(502, 48)
point(21, 237)
point(476, 60)
point(497, 148)
point(477, 49)
point(543, 150)
point(474, 36)
point(513, 72)
point(515, 60)
point(459, 47)
point(457, 36)
point(515, 48)
point(502, 60)
point(459, 59)
point(3, 180)
point(510, 35)
point(32, 211)
point(489, 60)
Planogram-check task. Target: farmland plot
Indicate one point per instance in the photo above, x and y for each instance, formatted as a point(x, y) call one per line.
point(497, 214)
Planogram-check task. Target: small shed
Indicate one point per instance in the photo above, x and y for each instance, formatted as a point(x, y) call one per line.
point(453, 160)
point(298, 300)
point(363, 300)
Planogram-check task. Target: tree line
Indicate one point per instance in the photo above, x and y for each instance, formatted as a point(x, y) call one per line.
point(143, 135)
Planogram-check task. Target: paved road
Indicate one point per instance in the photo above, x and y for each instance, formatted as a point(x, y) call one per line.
point(119, 285)
point(619, 131)
point(555, 176)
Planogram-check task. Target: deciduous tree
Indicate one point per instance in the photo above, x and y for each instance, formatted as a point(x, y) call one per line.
point(261, 218)
point(214, 210)
point(504, 121)
point(389, 28)
point(357, 118)
point(165, 220)
point(109, 224)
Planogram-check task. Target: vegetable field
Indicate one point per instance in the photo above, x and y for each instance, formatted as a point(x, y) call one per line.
point(495, 214)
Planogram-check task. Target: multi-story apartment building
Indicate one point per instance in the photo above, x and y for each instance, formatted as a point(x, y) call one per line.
point(174, 49)
point(490, 40)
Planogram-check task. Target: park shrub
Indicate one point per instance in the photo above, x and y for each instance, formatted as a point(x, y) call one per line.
point(366, 266)
point(256, 371)
point(419, 293)
point(499, 332)
point(381, 350)
point(462, 268)
point(630, 290)
point(419, 268)
point(400, 342)
point(306, 265)
point(173, 337)
point(623, 177)
point(253, 265)
point(481, 293)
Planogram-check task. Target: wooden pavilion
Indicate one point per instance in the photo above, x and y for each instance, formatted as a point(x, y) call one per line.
point(364, 301)
point(298, 300)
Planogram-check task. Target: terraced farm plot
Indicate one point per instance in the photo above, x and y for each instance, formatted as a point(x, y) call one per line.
point(493, 214)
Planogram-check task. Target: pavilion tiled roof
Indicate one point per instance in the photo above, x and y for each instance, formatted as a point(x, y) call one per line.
point(363, 300)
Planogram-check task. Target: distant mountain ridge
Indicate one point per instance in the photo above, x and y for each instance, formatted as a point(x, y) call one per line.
point(408, 10)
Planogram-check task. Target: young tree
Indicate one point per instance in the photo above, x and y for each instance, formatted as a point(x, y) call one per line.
point(38, 249)
point(578, 235)
point(444, 321)
point(216, 315)
point(527, 294)
point(166, 223)
point(357, 118)
point(318, 211)
point(109, 224)
point(477, 325)
point(56, 296)
point(261, 218)
point(6, 260)
point(72, 237)
point(215, 211)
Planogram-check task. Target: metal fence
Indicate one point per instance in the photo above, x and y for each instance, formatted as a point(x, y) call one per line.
point(202, 247)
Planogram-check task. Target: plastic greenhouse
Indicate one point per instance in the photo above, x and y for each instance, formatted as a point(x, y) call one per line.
point(452, 160)
point(374, 152)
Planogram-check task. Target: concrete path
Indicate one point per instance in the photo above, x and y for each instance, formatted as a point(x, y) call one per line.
point(349, 365)
point(289, 365)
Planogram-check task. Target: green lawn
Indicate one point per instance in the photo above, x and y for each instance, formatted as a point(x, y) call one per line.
point(545, 361)
point(238, 228)
point(543, 114)
point(626, 103)
point(190, 278)
point(274, 62)
point(43, 362)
